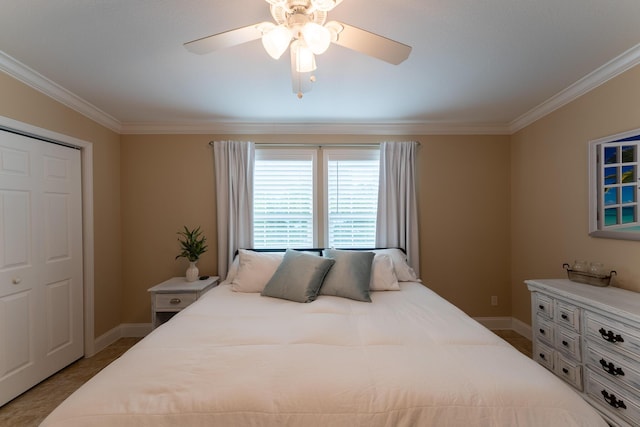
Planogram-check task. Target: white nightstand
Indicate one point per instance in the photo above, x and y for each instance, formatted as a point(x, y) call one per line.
point(173, 295)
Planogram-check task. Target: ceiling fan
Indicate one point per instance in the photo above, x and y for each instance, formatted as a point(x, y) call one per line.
point(301, 26)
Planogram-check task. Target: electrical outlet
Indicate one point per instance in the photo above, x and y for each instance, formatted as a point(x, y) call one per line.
point(494, 300)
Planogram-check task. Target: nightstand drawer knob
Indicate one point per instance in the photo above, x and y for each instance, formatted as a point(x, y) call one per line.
point(175, 301)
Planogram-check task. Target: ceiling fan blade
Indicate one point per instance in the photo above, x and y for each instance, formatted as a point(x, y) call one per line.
point(223, 40)
point(372, 44)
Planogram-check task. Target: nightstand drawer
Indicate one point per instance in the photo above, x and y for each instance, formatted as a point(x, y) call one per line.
point(174, 301)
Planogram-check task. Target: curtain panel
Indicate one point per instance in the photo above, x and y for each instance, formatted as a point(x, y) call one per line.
point(397, 220)
point(234, 163)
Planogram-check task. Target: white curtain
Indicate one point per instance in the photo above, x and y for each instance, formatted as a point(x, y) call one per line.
point(397, 221)
point(234, 163)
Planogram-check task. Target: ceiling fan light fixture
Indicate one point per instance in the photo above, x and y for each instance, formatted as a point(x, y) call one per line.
point(317, 37)
point(324, 5)
point(335, 28)
point(276, 41)
point(302, 57)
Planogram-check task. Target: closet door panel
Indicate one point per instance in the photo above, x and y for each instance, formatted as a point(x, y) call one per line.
point(41, 307)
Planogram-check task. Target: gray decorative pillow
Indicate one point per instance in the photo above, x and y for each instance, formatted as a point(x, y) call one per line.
point(350, 275)
point(299, 277)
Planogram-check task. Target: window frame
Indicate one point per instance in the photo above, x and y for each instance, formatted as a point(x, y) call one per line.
point(598, 186)
point(295, 154)
point(365, 153)
point(320, 155)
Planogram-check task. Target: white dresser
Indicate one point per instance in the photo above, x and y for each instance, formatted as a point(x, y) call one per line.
point(590, 337)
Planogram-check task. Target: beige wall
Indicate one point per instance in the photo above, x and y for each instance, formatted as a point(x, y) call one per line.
point(168, 182)
point(20, 102)
point(549, 190)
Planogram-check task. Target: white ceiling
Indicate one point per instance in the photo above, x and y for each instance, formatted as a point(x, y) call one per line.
point(475, 65)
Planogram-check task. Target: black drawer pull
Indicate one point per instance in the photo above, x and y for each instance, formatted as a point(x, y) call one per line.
point(610, 368)
point(564, 343)
point(541, 307)
point(542, 331)
point(609, 336)
point(565, 370)
point(612, 401)
point(542, 356)
point(565, 317)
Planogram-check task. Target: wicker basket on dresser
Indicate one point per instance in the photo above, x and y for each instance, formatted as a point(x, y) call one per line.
point(590, 337)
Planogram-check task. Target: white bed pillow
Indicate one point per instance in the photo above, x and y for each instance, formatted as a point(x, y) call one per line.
point(254, 270)
point(402, 269)
point(383, 277)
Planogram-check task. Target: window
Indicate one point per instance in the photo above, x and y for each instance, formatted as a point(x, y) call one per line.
point(283, 199)
point(299, 204)
point(614, 187)
point(351, 183)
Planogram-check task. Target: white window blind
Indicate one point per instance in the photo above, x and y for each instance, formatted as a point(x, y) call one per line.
point(284, 195)
point(351, 190)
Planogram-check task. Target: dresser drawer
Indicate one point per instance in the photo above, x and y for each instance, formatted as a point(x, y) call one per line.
point(544, 330)
point(543, 305)
point(543, 355)
point(568, 315)
point(568, 342)
point(568, 370)
point(613, 366)
point(612, 397)
point(611, 334)
point(174, 301)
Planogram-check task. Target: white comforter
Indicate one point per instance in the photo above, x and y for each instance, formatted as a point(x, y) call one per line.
point(409, 358)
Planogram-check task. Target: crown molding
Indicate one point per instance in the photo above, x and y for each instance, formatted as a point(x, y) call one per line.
point(257, 128)
point(37, 81)
point(608, 71)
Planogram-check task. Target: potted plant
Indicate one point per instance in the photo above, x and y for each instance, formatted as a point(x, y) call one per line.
point(192, 245)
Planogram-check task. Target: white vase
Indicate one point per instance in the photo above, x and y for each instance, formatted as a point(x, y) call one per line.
point(192, 272)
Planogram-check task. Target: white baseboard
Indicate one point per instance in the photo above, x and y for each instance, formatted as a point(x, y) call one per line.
point(494, 323)
point(120, 331)
point(522, 328)
point(143, 329)
point(510, 323)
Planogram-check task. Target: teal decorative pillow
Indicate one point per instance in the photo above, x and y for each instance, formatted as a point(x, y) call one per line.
point(298, 278)
point(350, 275)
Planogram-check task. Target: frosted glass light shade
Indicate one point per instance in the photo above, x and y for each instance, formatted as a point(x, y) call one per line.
point(325, 5)
point(317, 37)
point(276, 41)
point(302, 57)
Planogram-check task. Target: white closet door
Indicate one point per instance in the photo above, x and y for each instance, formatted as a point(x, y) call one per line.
point(41, 310)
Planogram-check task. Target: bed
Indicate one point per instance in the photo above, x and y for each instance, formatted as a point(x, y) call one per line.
point(406, 358)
